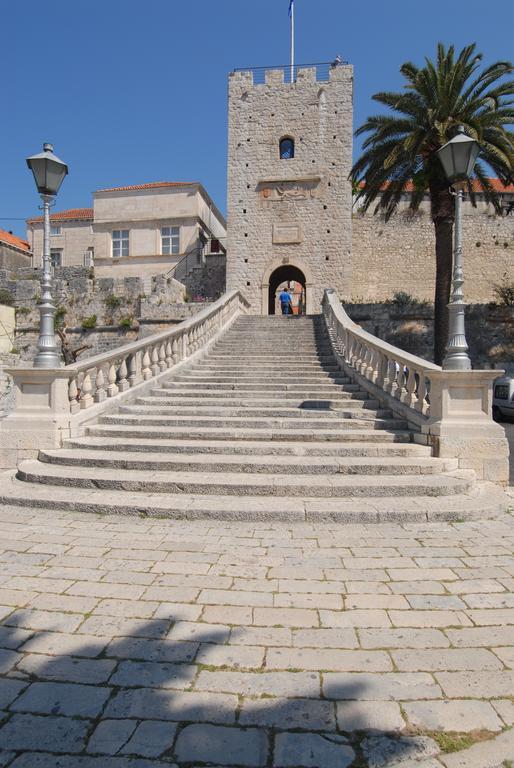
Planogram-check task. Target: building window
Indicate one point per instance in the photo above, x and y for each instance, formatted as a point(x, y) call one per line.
point(170, 240)
point(55, 229)
point(120, 243)
point(286, 148)
point(56, 257)
point(89, 257)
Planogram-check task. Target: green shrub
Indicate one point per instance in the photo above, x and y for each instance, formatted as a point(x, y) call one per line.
point(126, 322)
point(60, 312)
point(89, 322)
point(403, 299)
point(6, 297)
point(23, 310)
point(504, 291)
point(112, 301)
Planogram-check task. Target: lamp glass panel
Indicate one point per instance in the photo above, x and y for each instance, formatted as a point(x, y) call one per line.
point(55, 173)
point(38, 169)
point(446, 158)
point(475, 150)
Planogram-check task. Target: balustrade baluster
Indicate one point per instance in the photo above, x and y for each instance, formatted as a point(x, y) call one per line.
point(147, 373)
point(100, 392)
point(421, 404)
point(373, 362)
point(73, 392)
point(155, 361)
point(410, 385)
point(86, 398)
point(132, 370)
point(162, 357)
point(112, 388)
point(381, 370)
point(174, 351)
point(123, 383)
point(169, 355)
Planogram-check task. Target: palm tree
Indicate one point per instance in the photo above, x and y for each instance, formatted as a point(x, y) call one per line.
point(401, 147)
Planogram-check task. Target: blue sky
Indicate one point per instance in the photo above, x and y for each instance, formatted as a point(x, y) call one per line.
point(137, 90)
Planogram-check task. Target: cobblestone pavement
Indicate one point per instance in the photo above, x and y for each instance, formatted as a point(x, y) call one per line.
point(144, 643)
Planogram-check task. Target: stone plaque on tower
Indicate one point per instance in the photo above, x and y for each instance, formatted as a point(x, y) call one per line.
point(289, 196)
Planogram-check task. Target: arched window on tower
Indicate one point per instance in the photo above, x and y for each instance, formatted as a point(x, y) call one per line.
point(286, 148)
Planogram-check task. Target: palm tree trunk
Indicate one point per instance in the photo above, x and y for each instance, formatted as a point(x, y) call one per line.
point(443, 281)
point(443, 216)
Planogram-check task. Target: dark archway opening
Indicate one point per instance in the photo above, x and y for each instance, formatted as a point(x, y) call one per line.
point(289, 277)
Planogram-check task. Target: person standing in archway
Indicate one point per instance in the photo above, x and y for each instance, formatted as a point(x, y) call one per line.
point(285, 302)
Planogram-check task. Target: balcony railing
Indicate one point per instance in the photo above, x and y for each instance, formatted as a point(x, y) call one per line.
point(293, 73)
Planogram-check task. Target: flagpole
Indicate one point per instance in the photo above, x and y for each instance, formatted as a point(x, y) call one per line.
point(292, 40)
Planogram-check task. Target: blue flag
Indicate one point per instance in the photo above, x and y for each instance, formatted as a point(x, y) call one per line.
point(291, 7)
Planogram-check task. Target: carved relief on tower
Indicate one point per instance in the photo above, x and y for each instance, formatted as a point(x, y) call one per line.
point(279, 190)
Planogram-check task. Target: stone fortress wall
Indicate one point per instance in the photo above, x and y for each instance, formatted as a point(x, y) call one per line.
point(399, 255)
point(297, 211)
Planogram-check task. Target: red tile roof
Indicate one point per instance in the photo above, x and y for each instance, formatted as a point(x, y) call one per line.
point(71, 214)
point(496, 184)
point(153, 185)
point(7, 237)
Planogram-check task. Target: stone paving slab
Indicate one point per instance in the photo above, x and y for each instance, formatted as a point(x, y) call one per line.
point(129, 643)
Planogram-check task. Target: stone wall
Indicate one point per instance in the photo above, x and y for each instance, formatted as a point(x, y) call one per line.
point(110, 306)
point(289, 212)
point(7, 326)
point(489, 330)
point(209, 279)
point(399, 255)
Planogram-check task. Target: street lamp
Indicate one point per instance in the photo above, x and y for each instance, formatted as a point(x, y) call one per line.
point(458, 158)
point(49, 173)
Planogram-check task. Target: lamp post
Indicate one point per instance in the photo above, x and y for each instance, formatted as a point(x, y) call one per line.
point(458, 158)
point(49, 173)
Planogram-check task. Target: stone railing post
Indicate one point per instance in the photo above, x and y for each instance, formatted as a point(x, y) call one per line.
point(460, 424)
point(41, 415)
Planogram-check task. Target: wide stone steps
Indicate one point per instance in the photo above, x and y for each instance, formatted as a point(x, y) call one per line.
point(312, 379)
point(242, 432)
point(259, 464)
point(269, 405)
point(246, 388)
point(343, 411)
point(332, 421)
point(246, 484)
point(484, 501)
point(259, 448)
point(264, 427)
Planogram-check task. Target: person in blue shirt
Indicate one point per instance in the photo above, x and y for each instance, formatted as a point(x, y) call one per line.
point(285, 302)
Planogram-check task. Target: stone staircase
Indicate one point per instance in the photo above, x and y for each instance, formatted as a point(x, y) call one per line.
point(266, 426)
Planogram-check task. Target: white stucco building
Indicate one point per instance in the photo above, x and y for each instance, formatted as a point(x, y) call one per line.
point(142, 229)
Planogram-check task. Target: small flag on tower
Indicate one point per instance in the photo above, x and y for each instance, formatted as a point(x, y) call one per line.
point(291, 4)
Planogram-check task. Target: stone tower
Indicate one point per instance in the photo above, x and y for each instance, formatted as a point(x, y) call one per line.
point(289, 197)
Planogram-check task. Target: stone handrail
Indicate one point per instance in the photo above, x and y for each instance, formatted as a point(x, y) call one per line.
point(448, 410)
point(105, 375)
point(403, 376)
point(52, 404)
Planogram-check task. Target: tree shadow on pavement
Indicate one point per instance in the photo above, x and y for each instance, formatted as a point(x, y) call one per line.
point(170, 695)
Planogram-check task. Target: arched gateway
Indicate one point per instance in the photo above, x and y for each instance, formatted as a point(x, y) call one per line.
point(282, 277)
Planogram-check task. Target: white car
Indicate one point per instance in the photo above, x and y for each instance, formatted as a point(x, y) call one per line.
point(503, 398)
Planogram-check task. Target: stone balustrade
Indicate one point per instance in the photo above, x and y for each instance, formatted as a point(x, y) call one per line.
point(52, 404)
point(449, 410)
